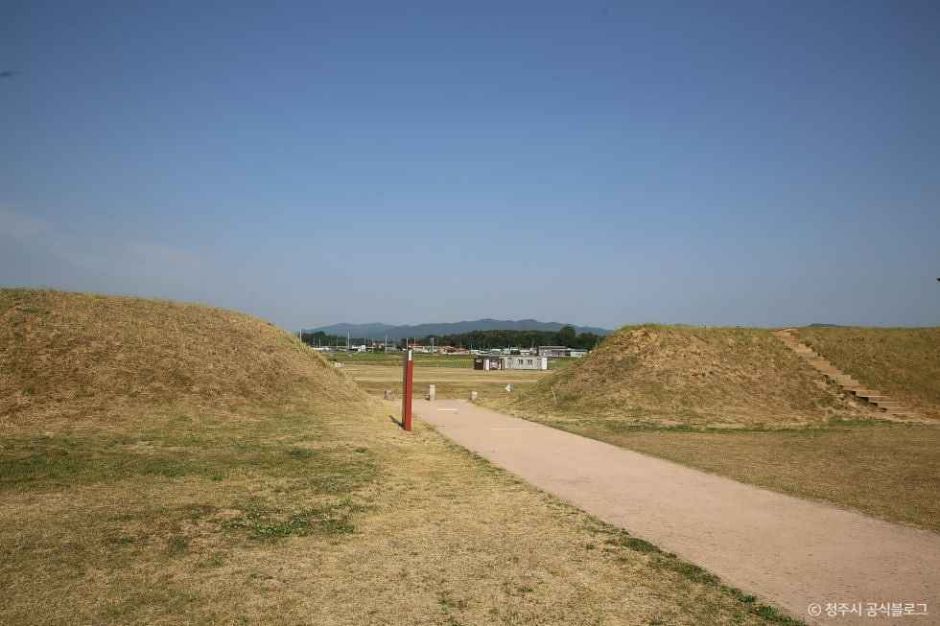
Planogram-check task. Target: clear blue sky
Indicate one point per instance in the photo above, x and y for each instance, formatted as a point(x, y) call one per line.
point(600, 163)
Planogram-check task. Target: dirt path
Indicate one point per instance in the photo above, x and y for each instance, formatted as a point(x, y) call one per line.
point(788, 551)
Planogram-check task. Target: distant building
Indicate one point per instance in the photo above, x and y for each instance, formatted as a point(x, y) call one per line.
point(487, 362)
point(525, 362)
point(561, 351)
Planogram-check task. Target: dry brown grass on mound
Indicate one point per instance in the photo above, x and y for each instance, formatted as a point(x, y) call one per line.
point(901, 362)
point(685, 375)
point(71, 355)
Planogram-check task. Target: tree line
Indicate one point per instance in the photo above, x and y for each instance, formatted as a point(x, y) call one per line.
point(487, 339)
point(478, 339)
point(320, 338)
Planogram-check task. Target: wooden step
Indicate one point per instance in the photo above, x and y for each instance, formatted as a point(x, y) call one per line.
point(893, 410)
point(851, 382)
point(884, 402)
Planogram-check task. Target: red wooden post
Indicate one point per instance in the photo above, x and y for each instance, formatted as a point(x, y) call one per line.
point(407, 388)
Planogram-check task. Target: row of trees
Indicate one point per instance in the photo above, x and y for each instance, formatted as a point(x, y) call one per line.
point(486, 339)
point(320, 338)
point(478, 339)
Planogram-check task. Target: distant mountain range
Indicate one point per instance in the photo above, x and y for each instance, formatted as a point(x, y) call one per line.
point(378, 330)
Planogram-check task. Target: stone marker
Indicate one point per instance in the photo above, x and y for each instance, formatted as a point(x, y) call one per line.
point(473, 396)
point(431, 392)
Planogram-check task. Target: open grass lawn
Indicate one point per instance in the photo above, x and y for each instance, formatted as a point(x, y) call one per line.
point(395, 359)
point(891, 471)
point(422, 360)
point(315, 514)
point(449, 382)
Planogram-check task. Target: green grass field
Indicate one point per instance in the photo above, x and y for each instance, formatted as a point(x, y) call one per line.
point(395, 358)
point(422, 359)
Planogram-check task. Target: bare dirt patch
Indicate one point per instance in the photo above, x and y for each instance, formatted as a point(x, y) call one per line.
point(449, 382)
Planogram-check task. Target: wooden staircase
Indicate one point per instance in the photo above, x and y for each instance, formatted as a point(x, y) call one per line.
point(894, 410)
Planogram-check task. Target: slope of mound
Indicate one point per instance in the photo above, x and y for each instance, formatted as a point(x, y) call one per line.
point(74, 354)
point(901, 362)
point(687, 375)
